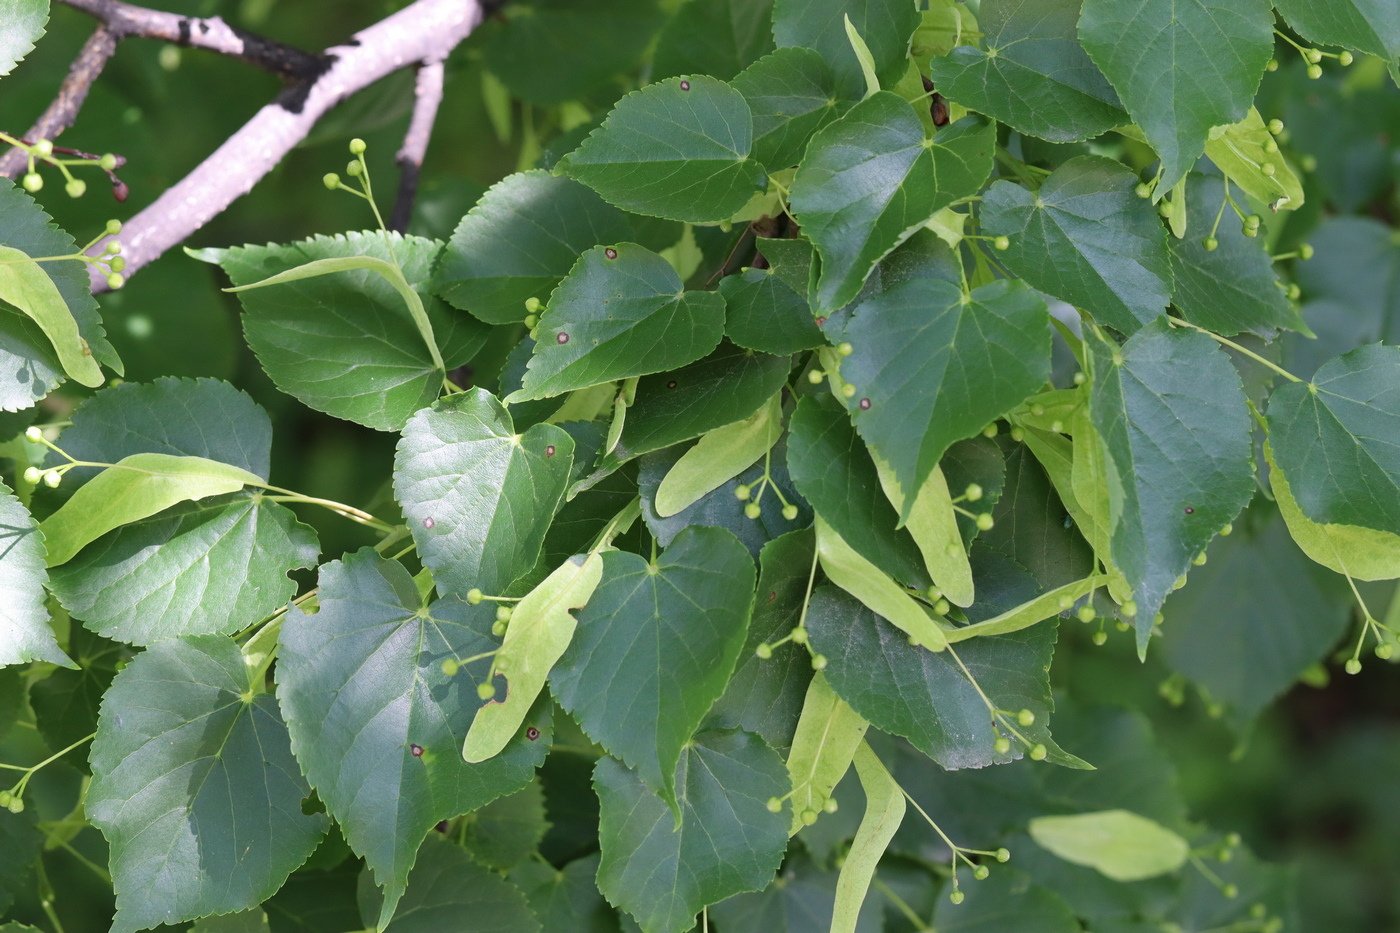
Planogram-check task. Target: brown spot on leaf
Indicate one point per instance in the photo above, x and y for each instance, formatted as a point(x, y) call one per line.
point(532, 733)
point(549, 451)
point(685, 85)
point(429, 522)
point(416, 751)
point(610, 253)
point(865, 404)
point(671, 384)
point(563, 337)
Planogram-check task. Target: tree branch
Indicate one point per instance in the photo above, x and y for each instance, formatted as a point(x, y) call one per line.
point(427, 95)
point(212, 33)
point(424, 31)
point(64, 109)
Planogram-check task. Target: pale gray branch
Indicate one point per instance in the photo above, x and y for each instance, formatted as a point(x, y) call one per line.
point(427, 97)
point(423, 32)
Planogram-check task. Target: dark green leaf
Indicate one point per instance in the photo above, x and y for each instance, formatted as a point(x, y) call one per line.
point(570, 803)
point(872, 178)
point(210, 567)
point(168, 416)
point(20, 843)
point(655, 647)
point(765, 695)
point(449, 893)
point(567, 899)
point(792, 94)
point(885, 25)
point(377, 725)
point(24, 24)
point(1171, 412)
point(791, 261)
point(195, 787)
point(721, 508)
point(506, 830)
point(621, 312)
point(714, 37)
point(478, 496)
point(1256, 616)
point(550, 51)
point(932, 366)
point(833, 471)
point(29, 369)
point(345, 343)
point(1033, 74)
point(245, 921)
point(1232, 288)
point(764, 313)
point(1337, 438)
point(1356, 24)
point(520, 239)
point(24, 618)
point(977, 460)
point(727, 386)
point(1007, 900)
point(1087, 238)
point(12, 689)
point(798, 901)
point(66, 702)
point(1030, 530)
point(925, 696)
point(1196, 64)
point(317, 901)
point(726, 841)
point(677, 149)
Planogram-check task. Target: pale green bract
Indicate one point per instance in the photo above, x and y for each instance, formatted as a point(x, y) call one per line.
point(828, 734)
point(884, 811)
point(1118, 843)
point(25, 284)
point(718, 457)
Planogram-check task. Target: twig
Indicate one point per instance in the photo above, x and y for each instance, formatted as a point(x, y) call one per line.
point(424, 31)
point(427, 95)
point(211, 33)
point(69, 100)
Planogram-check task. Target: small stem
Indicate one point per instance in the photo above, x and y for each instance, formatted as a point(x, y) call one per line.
point(1236, 347)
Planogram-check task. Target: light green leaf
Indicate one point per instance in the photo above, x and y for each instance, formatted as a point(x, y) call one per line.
point(1030, 613)
point(727, 841)
point(791, 94)
point(1364, 25)
point(450, 893)
point(718, 457)
point(1197, 66)
point(1172, 390)
point(871, 179)
point(925, 696)
point(621, 311)
point(885, 25)
point(1362, 553)
point(1337, 438)
point(29, 367)
point(1241, 150)
point(867, 583)
point(377, 724)
point(677, 149)
point(1086, 238)
point(337, 325)
point(828, 734)
point(1234, 287)
point(1090, 498)
point(134, 488)
point(478, 496)
point(934, 525)
point(655, 647)
point(541, 627)
point(1033, 74)
point(1119, 843)
point(25, 284)
point(210, 567)
point(932, 366)
point(195, 787)
point(24, 618)
point(884, 811)
point(520, 239)
point(863, 56)
point(24, 24)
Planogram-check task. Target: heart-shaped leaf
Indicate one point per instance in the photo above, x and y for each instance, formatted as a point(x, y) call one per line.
point(820, 25)
point(478, 496)
point(791, 94)
point(25, 634)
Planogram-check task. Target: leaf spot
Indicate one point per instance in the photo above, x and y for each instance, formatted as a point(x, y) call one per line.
point(429, 522)
point(549, 451)
point(532, 733)
point(671, 384)
point(1190, 511)
point(685, 85)
point(820, 320)
point(610, 253)
point(865, 404)
point(563, 337)
point(416, 751)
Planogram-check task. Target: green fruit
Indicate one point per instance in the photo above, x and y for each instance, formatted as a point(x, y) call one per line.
point(75, 187)
point(33, 182)
point(1210, 244)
